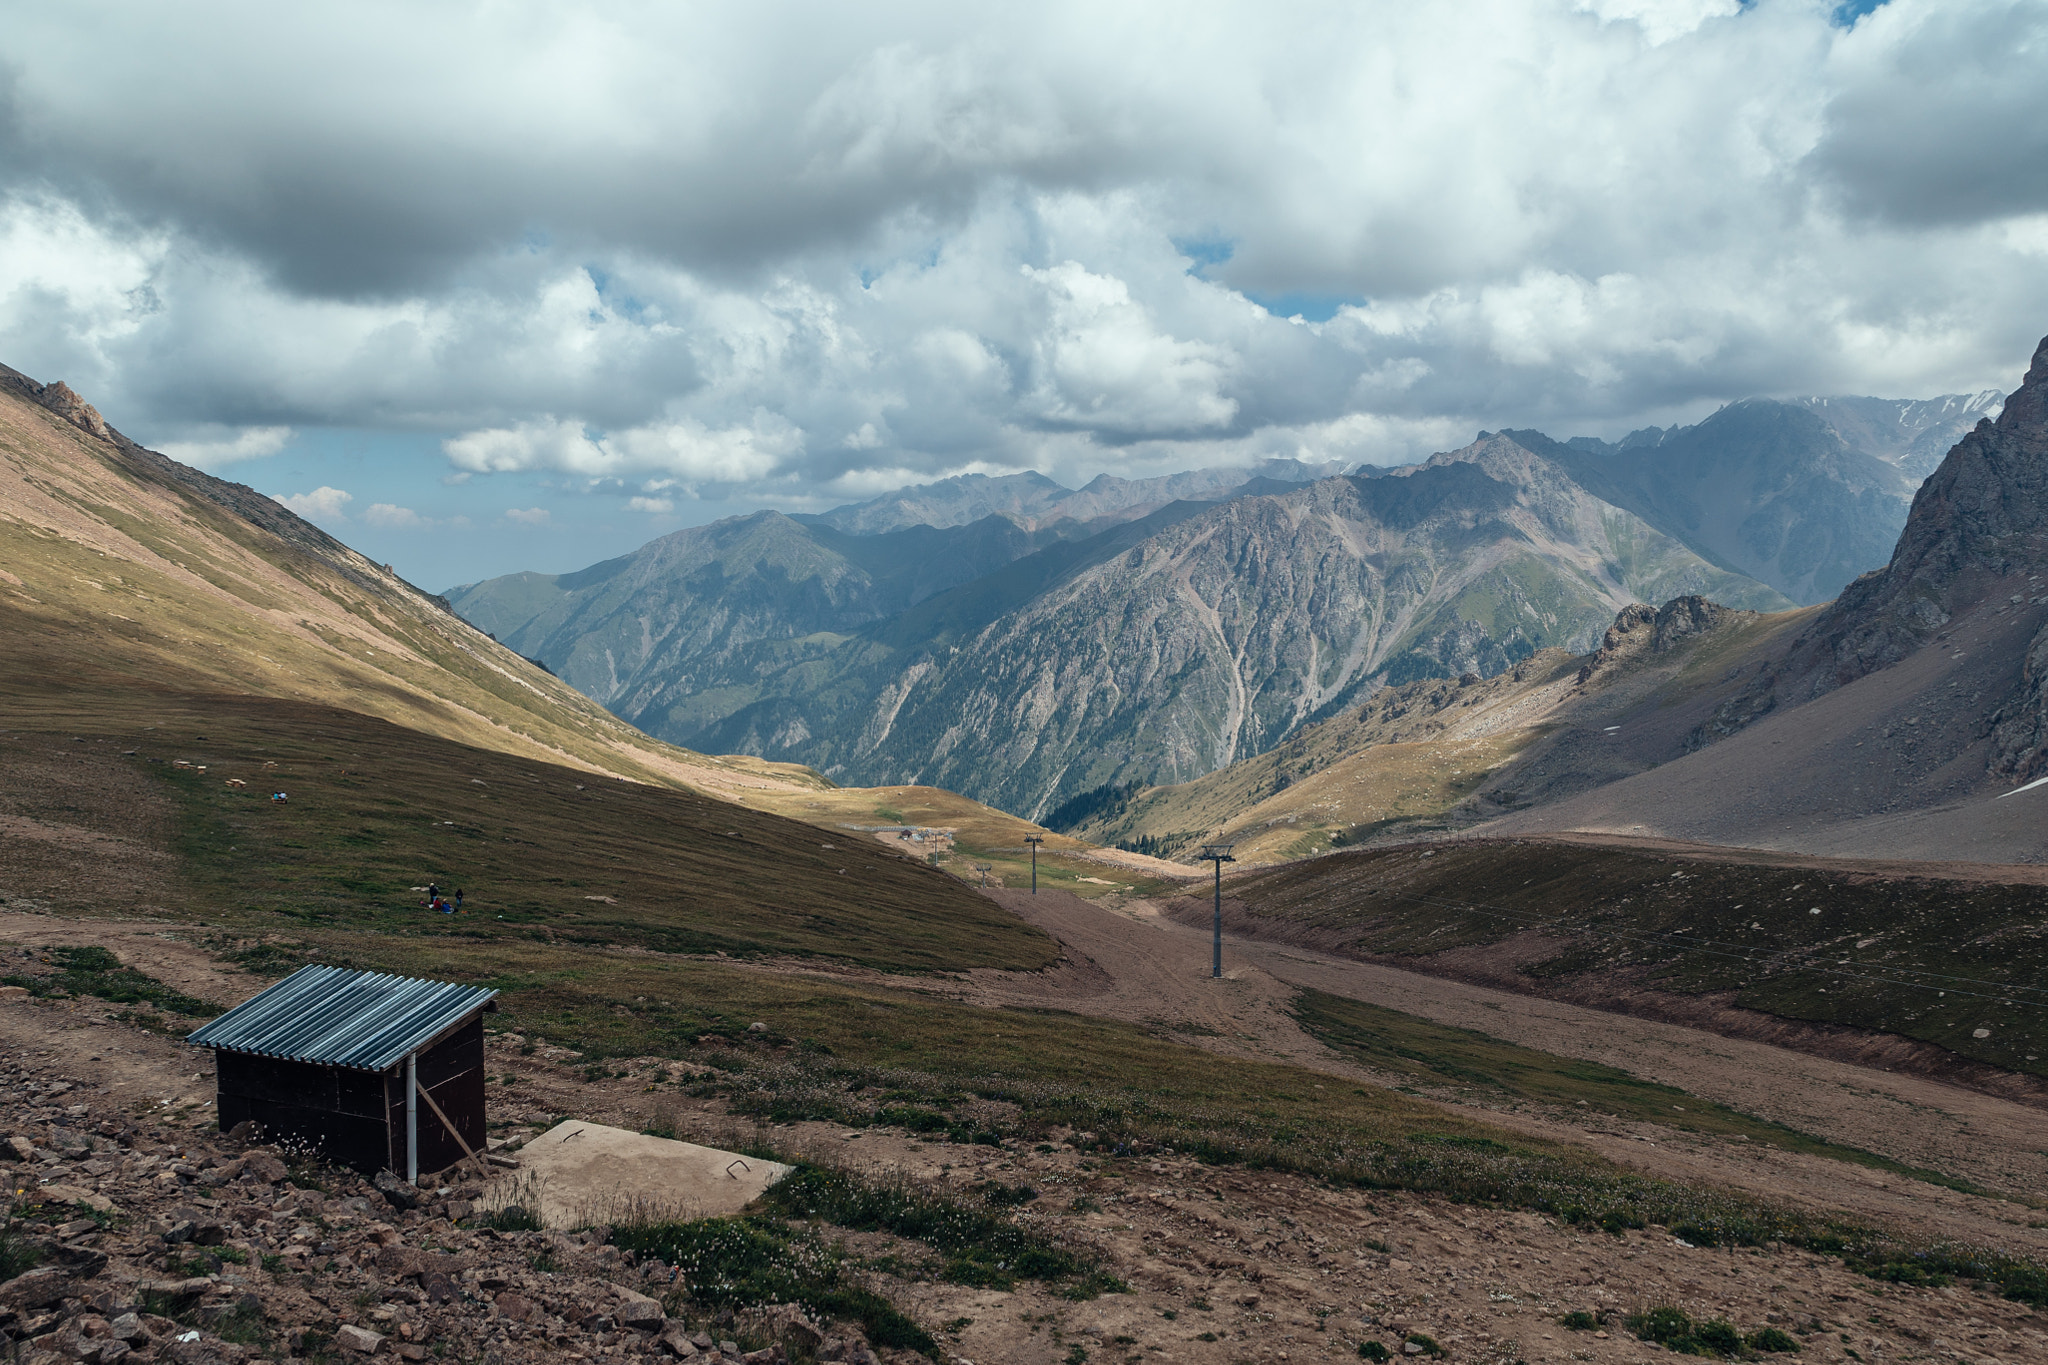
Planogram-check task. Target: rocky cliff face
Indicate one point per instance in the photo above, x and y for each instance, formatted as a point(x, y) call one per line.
point(1982, 515)
point(1974, 546)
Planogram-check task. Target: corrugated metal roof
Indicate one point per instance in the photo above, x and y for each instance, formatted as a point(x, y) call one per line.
point(337, 1017)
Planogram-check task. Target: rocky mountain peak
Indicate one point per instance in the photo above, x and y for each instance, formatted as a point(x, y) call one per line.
point(1640, 629)
point(65, 401)
point(1981, 516)
point(61, 399)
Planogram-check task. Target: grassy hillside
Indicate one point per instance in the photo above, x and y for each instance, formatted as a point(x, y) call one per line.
point(1433, 1053)
point(547, 855)
point(120, 569)
point(1958, 964)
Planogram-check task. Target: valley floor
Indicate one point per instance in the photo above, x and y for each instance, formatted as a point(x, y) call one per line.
point(1225, 1264)
point(1127, 961)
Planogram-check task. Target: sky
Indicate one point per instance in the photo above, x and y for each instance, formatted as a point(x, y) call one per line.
point(507, 286)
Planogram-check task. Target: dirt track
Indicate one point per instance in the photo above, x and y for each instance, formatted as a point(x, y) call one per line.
point(1129, 962)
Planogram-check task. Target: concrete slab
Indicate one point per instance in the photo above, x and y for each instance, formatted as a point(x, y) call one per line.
point(580, 1173)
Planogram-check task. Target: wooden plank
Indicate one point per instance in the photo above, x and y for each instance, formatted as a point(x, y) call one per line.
point(481, 1164)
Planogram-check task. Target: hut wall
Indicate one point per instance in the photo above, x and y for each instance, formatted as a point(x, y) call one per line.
point(357, 1118)
point(452, 1071)
point(337, 1110)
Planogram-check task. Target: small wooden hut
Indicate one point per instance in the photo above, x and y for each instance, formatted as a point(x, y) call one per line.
point(378, 1072)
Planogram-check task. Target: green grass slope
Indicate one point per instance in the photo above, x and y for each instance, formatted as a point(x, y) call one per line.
point(547, 854)
point(1953, 963)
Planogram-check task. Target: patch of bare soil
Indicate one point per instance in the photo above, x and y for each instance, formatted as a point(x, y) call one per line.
point(1224, 1265)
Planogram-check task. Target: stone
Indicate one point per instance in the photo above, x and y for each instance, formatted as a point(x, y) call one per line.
point(265, 1167)
point(39, 1288)
point(438, 1287)
point(675, 1338)
point(109, 1353)
point(128, 1327)
point(64, 400)
point(73, 1194)
point(788, 1325)
point(19, 1149)
point(176, 1289)
point(81, 1260)
point(359, 1339)
point(510, 1305)
point(640, 1313)
point(396, 1192)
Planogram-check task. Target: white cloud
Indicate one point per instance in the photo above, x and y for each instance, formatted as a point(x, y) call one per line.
point(529, 516)
point(684, 447)
point(783, 250)
point(656, 505)
point(1662, 20)
point(322, 504)
point(391, 517)
point(1103, 365)
point(250, 443)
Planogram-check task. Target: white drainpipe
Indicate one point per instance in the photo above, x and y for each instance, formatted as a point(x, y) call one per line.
point(412, 1118)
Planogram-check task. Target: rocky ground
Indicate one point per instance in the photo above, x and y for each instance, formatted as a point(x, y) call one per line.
point(165, 1240)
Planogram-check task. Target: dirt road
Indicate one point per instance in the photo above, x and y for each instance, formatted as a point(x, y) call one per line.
point(1129, 962)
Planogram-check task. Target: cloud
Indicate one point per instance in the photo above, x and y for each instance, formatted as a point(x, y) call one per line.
point(249, 443)
point(790, 249)
point(391, 517)
point(1941, 115)
point(656, 505)
point(322, 504)
point(1101, 364)
point(529, 516)
point(685, 448)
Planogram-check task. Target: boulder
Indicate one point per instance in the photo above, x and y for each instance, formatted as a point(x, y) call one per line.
point(359, 1339)
point(265, 1166)
point(39, 1288)
point(73, 1194)
point(640, 1313)
point(511, 1306)
point(395, 1191)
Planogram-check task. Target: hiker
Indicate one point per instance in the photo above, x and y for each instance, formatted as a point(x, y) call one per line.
point(458, 901)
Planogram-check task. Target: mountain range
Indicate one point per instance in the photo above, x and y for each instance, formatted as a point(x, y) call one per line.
point(1024, 644)
point(1907, 718)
